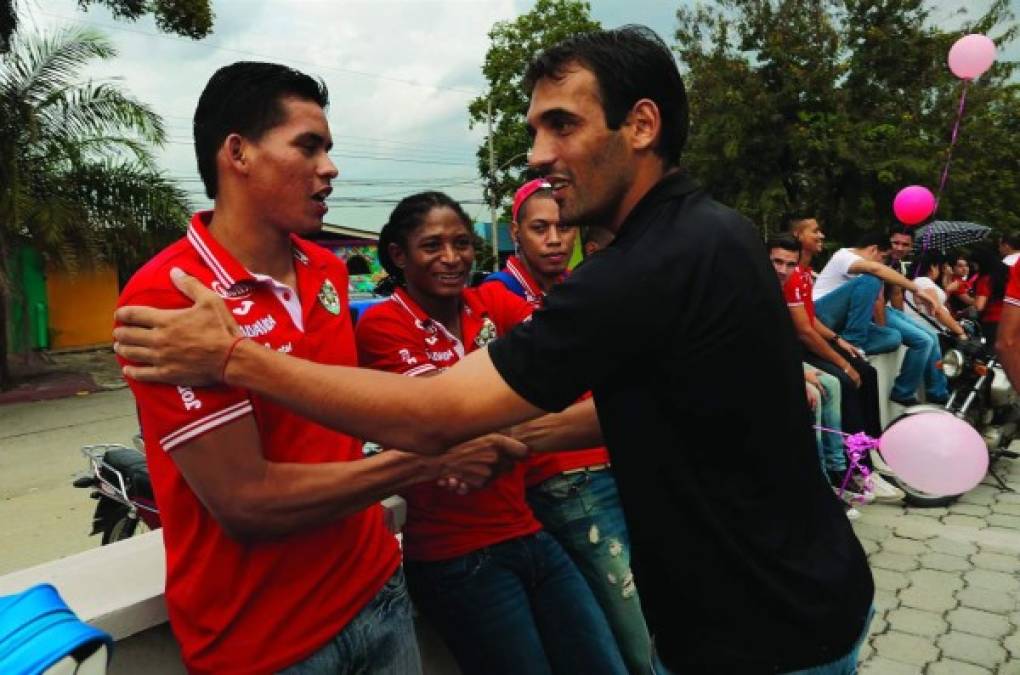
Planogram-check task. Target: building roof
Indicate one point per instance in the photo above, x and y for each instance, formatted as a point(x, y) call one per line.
point(348, 232)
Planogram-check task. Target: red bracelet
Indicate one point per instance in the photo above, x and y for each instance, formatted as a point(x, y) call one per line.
point(226, 360)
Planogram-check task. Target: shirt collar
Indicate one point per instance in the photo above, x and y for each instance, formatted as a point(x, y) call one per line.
point(669, 187)
point(470, 307)
point(225, 267)
point(518, 271)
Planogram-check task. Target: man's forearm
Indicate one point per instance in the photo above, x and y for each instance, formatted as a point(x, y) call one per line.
point(576, 428)
point(817, 345)
point(426, 415)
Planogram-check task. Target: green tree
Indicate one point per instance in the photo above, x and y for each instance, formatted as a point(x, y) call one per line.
point(834, 105)
point(512, 46)
point(190, 18)
point(77, 177)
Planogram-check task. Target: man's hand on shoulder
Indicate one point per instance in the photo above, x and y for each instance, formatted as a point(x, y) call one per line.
point(178, 346)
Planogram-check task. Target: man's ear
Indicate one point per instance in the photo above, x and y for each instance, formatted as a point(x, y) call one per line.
point(515, 231)
point(236, 152)
point(645, 124)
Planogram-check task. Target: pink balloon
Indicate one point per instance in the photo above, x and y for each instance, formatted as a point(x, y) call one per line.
point(935, 452)
point(913, 204)
point(971, 55)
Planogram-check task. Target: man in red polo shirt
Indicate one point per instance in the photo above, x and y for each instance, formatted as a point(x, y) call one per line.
point(1008, 340)
point(276, 545)
point(573, 493)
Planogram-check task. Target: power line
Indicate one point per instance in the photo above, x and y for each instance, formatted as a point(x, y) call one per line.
point(245, 52)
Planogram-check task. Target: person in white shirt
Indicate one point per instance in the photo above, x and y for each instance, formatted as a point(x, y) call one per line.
point(928, 269)
point(846, 295)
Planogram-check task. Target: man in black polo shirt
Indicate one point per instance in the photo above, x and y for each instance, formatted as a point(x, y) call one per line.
point(744, 573)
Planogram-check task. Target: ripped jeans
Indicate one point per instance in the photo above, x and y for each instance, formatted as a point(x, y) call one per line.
point(582, 510)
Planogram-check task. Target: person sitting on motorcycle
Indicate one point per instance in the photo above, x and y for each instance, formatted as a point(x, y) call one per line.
point(927, 272)
point(958, 285)
point(989, 290)
point(503, 593)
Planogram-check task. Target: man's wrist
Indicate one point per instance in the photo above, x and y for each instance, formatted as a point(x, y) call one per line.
point(234, 361)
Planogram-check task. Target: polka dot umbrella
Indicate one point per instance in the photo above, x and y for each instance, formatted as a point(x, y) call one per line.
point(946, 235)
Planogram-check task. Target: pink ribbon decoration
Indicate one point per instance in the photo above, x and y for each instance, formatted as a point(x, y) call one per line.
point(857, 446)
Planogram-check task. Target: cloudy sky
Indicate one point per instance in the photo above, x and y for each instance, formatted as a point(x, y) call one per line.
point(400, 75)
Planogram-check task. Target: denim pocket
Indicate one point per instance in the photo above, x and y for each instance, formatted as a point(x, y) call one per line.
point(563, 486)
point(456, 571)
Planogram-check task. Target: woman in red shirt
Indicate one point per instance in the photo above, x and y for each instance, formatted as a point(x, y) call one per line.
point(503, 593)
point(989, 291)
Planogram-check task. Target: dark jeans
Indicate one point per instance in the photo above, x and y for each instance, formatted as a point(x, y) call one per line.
point(380, 640)
point(859, 407)
point(582, 511)
point(516, 607)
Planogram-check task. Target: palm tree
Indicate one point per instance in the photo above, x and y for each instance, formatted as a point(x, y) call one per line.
point(77, 176)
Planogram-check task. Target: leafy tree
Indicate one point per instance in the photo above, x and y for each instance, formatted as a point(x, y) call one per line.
point(512, 46)
point(834, 105)
point(190, 18)
point(77, 177)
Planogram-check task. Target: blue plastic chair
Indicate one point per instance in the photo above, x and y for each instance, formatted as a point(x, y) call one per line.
point(37, 629)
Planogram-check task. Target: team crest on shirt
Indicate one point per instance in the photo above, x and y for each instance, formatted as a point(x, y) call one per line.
point(487, 333)
point(328, 297)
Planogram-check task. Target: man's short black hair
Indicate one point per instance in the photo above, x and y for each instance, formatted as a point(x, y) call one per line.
point(245, 98)
point(787, 242)
point(873, 238)
point(630, 63)
point(1012, 239)
point(901, 229)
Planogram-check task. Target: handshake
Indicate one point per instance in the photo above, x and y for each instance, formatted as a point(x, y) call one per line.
point(472, 464)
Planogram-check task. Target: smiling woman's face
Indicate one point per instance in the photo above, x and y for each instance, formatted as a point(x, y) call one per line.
point(439, 254)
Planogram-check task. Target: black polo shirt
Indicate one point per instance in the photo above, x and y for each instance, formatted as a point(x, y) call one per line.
point(744, 561)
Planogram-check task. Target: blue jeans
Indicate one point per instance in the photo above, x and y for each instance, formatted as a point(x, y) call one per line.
point(848, 310)
point(844, 665)
point(923, 352)
point(379, 640)
point(831, 455)
point(582, 511)
point(519, 606)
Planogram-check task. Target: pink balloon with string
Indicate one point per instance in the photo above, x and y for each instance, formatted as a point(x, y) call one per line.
point(934, 451)
point(971, 56)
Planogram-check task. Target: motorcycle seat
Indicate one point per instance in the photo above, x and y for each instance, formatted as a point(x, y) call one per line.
point(132, 465)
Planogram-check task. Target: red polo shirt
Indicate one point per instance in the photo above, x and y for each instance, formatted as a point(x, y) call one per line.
point(1013, 287)
point(398, 336)
point(797, 291)
point(263, 606)
point(993, 309)
point(544, 465)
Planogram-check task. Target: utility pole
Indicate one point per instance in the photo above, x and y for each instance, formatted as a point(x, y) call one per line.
point(492, 192)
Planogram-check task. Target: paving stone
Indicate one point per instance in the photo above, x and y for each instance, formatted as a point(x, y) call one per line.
point(920, 598)
point(936, 512)
point(945, 562)
point(879, 666)
point(1007, 508)
point(935, 580)
point(879, 511)
point(989, 601)
point(865, 652)
point(886, 600)
point(1014, 619)
point(1012, 643)
point(964, 521)
point(871, 531)
point(1010, 668)
point(906, 648)
point(983, 495)
point(870, 547)
point(894, 561)
point(1001, 530)
point(994, 581)
point(1000, 520)
point(919, 528)
point(977, 510)
point(888, 580)
point(977, 622)
point(997, 562)
point(974, 649)
point(951, 667)
point(917, 622)
point(951, 546)
point(904, 546)
point(1007, 498)
point(878, 625)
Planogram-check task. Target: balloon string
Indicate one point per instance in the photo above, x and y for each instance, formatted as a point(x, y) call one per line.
point(952, 142)
point(857, 445)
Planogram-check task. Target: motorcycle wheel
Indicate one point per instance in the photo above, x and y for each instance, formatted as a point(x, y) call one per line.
point(122, 527)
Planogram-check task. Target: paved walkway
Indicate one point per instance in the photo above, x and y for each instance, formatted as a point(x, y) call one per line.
point(948, 584)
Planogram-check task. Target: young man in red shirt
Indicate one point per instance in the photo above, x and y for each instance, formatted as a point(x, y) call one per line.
point(276, 545)
point(1008, 340)
point(573, 493)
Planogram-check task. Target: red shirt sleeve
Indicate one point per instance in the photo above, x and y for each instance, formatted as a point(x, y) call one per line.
point(792, 290)
point(177, 415)
point(1013, 288)
point(391, 342)
point(984, 286)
